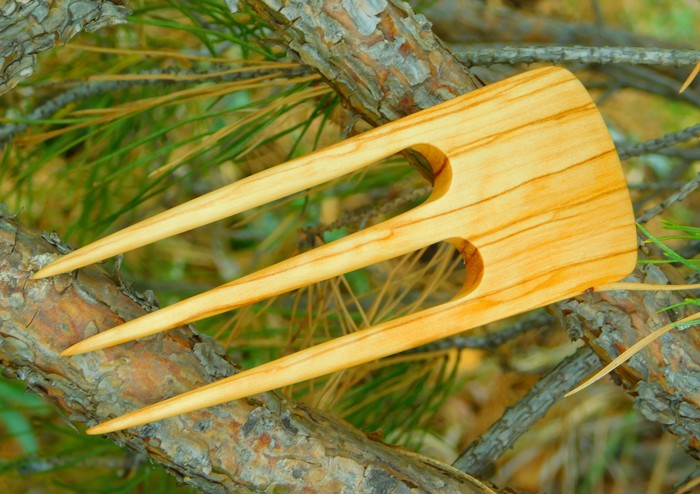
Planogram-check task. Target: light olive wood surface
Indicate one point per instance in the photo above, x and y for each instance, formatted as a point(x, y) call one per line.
point(528, 186)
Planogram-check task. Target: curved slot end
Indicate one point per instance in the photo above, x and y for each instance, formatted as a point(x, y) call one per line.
point(442, 169)
point(474, 266)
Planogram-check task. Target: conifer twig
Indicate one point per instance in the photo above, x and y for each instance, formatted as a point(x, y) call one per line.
point(491, 340)
point(93, 88)
point(360, 217)
point(686, 190)
point(663, 142)
point(479, 457)
point(577, 54)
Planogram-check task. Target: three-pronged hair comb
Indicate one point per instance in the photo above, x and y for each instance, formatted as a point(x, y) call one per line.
point(528, 187)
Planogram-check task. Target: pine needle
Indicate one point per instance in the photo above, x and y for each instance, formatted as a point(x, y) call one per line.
point(641, 287)
point(175, 55)
point(189, 77)
point(690, 78)
point(294, 98)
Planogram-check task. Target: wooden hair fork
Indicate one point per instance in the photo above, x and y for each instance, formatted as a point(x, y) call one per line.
point(528, 186)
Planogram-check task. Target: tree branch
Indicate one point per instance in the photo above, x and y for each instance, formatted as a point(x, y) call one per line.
point(383, 59)
point(663, 142)
point(664, 378)
point(263, 442)
point(685, 190)
point(537, 320)
point(380, 57)
point(580, 54)
point(479, 458)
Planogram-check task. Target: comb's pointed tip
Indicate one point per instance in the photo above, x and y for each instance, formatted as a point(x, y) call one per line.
point(129, 420)
point(102, 428)
point(79, 348)
point(45, 272)
point(62, 265)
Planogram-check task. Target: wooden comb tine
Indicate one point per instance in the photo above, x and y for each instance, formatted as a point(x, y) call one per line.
point(274, 183)
point(350, 350)
point(386, 240)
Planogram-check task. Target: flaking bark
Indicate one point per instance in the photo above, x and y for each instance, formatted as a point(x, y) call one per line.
point(260, 444)
point(380, 57)
point(383, 59)
point(32, 26)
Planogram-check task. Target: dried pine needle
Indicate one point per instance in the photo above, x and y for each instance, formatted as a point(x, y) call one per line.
point(631, 351)
point(177, 97)
point(175, 55)
point(641, 287)
point(690, 78)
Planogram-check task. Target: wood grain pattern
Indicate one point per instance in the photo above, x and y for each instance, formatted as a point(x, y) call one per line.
point(527, 185)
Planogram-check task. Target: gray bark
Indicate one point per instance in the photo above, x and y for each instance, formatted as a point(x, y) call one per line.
point(577, 54)
point(28, 28)
point(265, 443)
point(664, 378)
point(479, 458)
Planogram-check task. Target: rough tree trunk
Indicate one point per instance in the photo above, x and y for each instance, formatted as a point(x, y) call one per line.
point(380, 57)
point(262, 443)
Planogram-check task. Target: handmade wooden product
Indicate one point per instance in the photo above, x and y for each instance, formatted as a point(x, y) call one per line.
point(528, 186)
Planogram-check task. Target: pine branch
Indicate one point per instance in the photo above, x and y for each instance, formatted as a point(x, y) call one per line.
point(399, 76)
point(578, 54)
point(286, 446)
point(408, 70)
point(681, 194)
point(492, 340)
point(479, 458)
point(358, 219)
point(662, 378)
point(663, 142)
